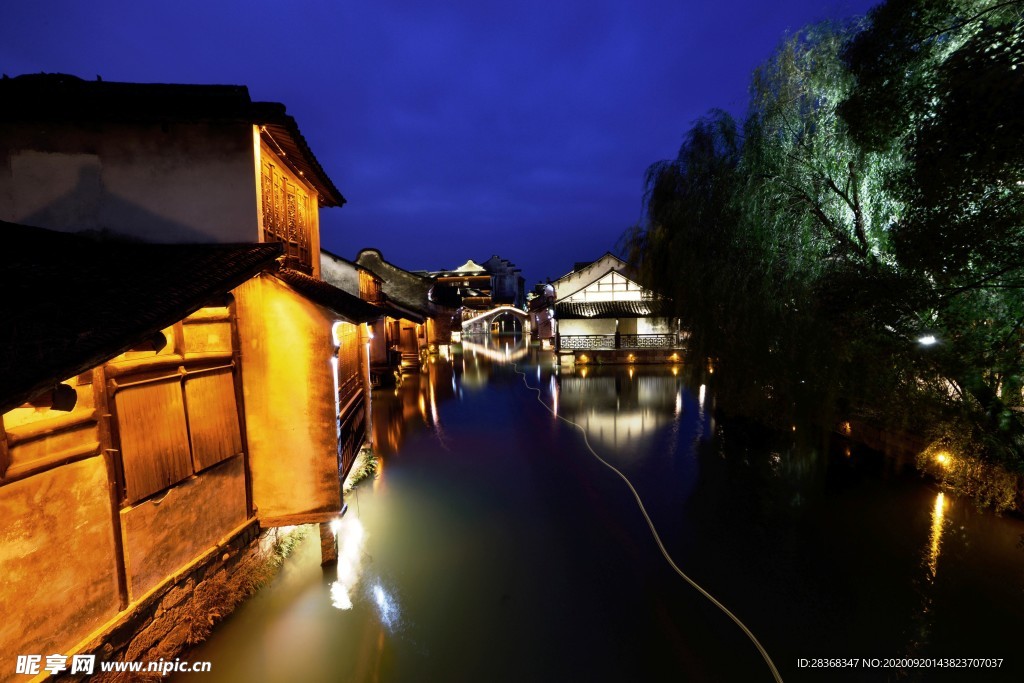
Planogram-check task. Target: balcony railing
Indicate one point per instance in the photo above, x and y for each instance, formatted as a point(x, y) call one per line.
point(593, 342)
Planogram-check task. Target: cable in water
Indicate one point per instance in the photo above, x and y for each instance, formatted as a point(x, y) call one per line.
point(654, 532)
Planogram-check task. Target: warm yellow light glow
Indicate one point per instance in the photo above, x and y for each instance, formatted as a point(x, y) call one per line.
point(336, 331)
point(583, 359)
point(631, 373)
point(675, 372)
point(553, 384)
point(583, 372)
point(350, 535)
point(943, 459)
point(847, 428)
point(935, 540)
point(674, 357)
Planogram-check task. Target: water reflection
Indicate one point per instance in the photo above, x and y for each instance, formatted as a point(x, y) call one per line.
point(935, 540)
point(620, 410)
point(496, 349)
point(492, 565)
point(349, 534)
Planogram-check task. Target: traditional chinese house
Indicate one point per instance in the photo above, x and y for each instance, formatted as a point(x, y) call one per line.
point(168, 163)
point(248, 387)
point(414, 294)
point(599, 311)
point(122, 445)
point(398, 339)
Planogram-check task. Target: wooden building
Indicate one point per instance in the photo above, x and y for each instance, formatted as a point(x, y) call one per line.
point(163, 163)
point(416, 296)
point(213, 400)
point(153, 406)
point(169, 163)
point(122, 442)
point(399, 339)
point(599, 310)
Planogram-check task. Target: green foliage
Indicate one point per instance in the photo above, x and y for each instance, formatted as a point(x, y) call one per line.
point(955, 461)
point(875, 195)
point(365, 467)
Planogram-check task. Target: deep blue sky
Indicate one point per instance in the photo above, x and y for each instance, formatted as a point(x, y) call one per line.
point(455, 129)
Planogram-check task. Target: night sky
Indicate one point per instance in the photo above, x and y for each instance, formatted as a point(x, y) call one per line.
point(455, 130)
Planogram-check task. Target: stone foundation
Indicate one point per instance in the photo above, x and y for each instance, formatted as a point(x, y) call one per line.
point(181, 611)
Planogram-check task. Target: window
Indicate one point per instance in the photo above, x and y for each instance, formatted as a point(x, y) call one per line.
point(286, 215)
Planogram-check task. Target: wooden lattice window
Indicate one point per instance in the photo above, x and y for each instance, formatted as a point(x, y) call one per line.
point(348, 361)
point(286, 214)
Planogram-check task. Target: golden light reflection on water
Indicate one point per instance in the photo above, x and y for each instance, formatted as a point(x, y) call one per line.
point(350, 535)
point(935, 540)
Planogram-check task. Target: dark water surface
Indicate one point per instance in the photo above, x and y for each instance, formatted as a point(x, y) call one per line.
point(494, 546)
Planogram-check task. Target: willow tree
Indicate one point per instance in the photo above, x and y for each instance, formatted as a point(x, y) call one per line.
point(941, 84)
point(687, 247)
point(817, 205)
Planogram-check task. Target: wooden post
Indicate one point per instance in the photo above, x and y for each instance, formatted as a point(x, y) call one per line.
point(236, 360)
point(109, 448)
point(363, 344)
point(5, 456)
point(328, 544)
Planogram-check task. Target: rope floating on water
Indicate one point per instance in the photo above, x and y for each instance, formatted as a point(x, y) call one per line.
point(654, 532)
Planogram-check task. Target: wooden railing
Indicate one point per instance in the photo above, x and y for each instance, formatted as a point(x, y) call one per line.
point(619, 341)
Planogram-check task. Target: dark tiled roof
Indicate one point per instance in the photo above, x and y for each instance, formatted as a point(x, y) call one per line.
point(69, 302)
point(64, 98)
point(348, 306)
point(607, 309)
point(401, 286)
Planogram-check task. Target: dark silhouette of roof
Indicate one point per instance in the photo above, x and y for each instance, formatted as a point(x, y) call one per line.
point(348, 306)
point(62, 98)
point(70, 301)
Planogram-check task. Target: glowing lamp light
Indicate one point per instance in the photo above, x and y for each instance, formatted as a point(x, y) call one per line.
point(943, 458)
point(927, 340)
point(583, 359)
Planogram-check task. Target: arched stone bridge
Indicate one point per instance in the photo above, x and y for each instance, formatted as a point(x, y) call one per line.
point(499, 320)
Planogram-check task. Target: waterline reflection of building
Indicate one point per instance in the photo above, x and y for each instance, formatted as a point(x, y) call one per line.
point(501, 350)
point(619, 411)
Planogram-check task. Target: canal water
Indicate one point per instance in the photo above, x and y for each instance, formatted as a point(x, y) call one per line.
point(497, 543)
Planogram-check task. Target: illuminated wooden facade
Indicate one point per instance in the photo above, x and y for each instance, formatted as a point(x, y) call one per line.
point(145, 468)
point(217, 399)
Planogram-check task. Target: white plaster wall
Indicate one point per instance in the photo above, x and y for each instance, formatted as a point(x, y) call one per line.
point(595, 326)
point(572, 282)
point(181, 182)
point(654, 326)
point(342, 275)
